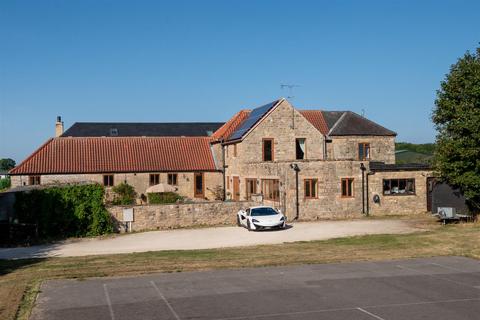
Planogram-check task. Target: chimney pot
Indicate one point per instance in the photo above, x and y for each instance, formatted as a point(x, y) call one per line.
point(58, 127)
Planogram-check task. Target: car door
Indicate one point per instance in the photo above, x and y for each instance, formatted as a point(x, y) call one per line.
point(243, 217)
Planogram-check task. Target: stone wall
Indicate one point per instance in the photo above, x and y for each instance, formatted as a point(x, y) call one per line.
point(329, 202)
point(152, 217)
point(140, 181)
point(346, 148)
point(399, 204)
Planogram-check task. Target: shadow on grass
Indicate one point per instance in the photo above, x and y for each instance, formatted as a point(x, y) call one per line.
point(9, 266)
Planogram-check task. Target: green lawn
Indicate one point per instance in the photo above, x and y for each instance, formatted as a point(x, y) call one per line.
point(20, 279)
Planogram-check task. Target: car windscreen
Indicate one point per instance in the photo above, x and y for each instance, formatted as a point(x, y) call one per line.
point(258, 212)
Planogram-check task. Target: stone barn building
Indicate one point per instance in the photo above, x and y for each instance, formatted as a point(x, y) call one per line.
point(311, 164)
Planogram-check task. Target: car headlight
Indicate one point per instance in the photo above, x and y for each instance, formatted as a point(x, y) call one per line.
point(254, 220)
point(282, 219)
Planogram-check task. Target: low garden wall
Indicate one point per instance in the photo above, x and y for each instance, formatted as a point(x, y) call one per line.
point(170, 216)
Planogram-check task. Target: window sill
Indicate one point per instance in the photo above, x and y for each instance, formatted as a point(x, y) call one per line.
point(399, 194)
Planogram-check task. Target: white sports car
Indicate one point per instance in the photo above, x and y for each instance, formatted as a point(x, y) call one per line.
point(260, 218)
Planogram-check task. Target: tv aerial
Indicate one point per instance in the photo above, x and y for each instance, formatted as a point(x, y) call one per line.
point(290, 88)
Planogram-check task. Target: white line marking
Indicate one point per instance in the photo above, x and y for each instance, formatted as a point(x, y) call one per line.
point(447, 267)
point(165, 300)
point(270, 315)
point(370, 314)
point(436, 276)
point(109, 302)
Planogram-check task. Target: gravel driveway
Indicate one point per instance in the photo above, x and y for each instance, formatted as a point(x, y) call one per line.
point(207, 238)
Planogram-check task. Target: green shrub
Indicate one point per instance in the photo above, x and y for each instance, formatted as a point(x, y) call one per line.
point(69, 211)
point(163, 198)
point(125, 194)
point(5, 183)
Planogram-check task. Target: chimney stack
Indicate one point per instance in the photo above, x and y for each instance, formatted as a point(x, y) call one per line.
point(58, 127)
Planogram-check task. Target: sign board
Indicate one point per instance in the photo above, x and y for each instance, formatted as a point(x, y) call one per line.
point(128, 215)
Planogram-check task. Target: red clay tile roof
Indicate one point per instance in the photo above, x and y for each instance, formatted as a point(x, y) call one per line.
point(316, 118)
point(119, 154)
point(231, 125)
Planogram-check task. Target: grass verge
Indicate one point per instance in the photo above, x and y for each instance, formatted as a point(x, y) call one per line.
point(20, 279)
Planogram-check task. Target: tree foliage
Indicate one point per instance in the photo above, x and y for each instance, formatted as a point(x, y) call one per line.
point(457, 120)
point(68, 211)
point(124, 194)
point(7, 164)
point(5, 183)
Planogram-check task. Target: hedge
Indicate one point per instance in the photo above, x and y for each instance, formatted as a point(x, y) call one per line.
point(67, 211)
point(5, 183)
point(163, 198)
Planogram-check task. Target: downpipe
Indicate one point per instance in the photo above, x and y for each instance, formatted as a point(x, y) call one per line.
point(370, 173)
point(295, 167)
point(362, 168)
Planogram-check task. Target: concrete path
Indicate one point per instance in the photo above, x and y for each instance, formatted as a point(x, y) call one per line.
point(443, 288)
point(207, 238)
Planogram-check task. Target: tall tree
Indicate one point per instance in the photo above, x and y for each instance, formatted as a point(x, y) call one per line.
point(6, 164)
point(457, 120)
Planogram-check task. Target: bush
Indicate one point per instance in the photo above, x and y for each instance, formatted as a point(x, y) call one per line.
point(65, 211)
point(125, 194)
point(5, 183)
point(218, 193)
point(163, 198)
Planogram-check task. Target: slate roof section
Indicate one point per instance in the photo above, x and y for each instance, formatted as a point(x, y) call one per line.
point(142, 129)
point(120, 154)
point(331, 117)
point(352, 124)
point(381, 166)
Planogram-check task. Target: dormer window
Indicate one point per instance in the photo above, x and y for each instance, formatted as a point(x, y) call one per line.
point(113, 132)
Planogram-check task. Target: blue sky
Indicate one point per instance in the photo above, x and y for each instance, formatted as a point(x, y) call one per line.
point(205, 60)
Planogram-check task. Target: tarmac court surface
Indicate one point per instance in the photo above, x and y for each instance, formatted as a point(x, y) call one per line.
point(428, 288)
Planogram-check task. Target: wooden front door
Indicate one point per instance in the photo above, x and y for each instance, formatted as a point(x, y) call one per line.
point(236, 188)
point(199, 185)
